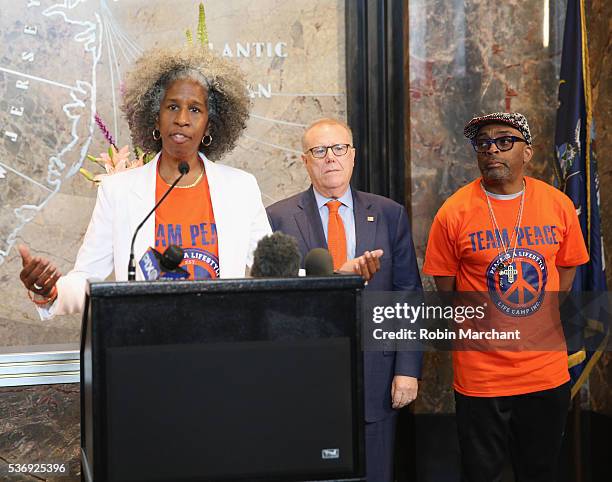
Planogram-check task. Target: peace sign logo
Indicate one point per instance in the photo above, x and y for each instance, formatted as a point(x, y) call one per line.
point(517, 284)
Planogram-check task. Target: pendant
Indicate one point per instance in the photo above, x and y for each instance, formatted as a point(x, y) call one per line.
point(509, 272)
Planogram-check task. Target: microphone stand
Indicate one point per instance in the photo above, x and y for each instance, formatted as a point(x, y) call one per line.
point(183, 169)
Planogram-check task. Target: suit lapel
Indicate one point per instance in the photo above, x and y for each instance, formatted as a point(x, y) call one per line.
point(366, 222)
point(141, 200)
point(309, 222)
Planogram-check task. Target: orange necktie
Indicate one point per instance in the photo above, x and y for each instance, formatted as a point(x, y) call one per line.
point(336, 237)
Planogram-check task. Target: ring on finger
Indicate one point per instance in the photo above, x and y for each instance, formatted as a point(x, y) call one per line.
point(37, 286)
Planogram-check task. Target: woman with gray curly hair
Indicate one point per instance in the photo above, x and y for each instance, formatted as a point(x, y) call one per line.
point(190, 107)
point(227, 100)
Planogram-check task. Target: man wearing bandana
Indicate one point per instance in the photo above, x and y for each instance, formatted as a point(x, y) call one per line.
point(515, 238)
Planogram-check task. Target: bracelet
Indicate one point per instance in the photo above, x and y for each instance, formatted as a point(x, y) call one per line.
point(45, 299)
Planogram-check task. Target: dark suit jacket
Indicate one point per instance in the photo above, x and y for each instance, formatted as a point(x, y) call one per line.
point(299, 217)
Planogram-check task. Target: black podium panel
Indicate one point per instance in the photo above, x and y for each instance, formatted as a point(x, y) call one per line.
point(224, 380)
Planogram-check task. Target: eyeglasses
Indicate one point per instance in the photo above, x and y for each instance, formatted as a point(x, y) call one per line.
point(504, 143)
point(319, 152)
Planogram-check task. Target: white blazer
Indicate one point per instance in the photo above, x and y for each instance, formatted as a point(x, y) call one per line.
point(123, 201)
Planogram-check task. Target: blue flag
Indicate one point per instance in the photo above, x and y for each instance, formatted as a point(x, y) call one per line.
point(576, 172)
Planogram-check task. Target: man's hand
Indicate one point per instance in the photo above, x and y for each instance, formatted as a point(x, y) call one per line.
point(38, 274)
point(403, 390)
point(365, 265)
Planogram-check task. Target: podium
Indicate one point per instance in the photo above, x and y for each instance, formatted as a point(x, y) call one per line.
point(226, 380)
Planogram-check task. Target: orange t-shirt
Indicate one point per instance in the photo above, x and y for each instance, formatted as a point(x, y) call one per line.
point(463, 243)
point(186, 219)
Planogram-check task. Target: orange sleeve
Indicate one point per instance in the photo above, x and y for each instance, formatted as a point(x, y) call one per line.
point(573, 251)
point(440, 257)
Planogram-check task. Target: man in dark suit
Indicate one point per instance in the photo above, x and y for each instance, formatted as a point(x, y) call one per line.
point(359, 223)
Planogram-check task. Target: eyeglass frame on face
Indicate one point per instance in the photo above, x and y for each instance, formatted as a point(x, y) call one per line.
point(345, 146)
point(514, 139)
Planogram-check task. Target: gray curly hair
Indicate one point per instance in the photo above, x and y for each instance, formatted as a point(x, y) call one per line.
point(228, 101)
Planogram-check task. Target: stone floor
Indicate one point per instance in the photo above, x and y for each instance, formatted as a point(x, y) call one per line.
point(40, 425)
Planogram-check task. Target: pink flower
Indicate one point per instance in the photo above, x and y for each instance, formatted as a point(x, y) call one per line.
point(116, 161)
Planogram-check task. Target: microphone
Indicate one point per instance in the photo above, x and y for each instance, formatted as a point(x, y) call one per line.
point(276, 256)
point(183, 169)
point(157, 266)
point(318, 262)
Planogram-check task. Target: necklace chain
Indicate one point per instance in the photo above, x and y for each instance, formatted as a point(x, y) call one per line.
point(193, 184)
point(497, 230)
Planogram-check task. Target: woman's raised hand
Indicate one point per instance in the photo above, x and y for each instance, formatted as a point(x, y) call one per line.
point(38, 275)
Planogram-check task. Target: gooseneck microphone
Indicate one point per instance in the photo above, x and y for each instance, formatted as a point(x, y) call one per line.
point(183, 169)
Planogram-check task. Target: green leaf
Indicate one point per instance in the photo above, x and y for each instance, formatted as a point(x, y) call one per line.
point(202, 31)
point(189, 37)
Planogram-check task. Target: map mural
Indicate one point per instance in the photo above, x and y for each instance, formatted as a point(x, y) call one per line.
point(63, 62)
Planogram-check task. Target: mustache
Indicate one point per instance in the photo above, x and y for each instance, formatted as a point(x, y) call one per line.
point(494, 160)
